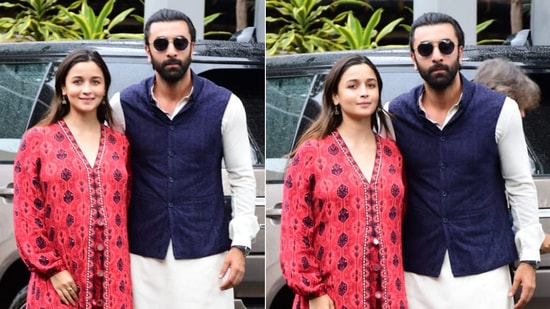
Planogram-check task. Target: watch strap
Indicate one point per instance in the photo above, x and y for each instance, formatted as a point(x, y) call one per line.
point(535, 264)
point(245, 250)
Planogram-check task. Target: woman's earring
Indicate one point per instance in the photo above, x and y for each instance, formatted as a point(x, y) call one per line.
point(337, 110)
point(64, 100)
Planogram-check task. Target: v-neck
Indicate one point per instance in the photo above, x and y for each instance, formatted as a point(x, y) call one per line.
point(76, 147)
point(351, 160)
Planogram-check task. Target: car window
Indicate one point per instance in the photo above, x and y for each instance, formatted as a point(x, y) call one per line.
point(285, 100)
point(536, 127)
point(20, 87)
point(139, 71)
point(395, 83)
point(249, 86)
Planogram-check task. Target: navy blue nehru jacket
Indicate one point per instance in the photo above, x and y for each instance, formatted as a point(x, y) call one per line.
point(177, 188)
point(456, 191)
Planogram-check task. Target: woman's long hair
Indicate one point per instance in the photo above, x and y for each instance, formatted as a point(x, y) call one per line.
point(58, 110)
point(328, 120)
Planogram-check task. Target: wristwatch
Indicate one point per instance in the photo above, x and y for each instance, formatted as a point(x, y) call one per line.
point(535, 264)
point(245, 250)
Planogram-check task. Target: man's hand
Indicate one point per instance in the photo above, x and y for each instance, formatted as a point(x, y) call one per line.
point(234, 263)
point(65, 287)
point(545, 247)
point(321, 302)
point(526, 278)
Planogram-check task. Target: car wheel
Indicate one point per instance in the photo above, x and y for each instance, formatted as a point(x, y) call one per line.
point(20, 300)
point(284, 299)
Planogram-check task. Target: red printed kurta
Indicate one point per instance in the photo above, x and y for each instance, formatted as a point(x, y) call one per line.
point(340, 233)
point(71, 216)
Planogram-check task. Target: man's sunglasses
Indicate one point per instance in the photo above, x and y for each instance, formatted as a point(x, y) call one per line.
point(446, 47)
point(161, 44)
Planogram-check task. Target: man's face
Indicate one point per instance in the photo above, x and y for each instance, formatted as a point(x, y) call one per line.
point(436, 54)
point(168, 51)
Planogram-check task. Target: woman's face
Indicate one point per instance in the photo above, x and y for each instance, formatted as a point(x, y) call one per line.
point(358, 92)
point(84, 87)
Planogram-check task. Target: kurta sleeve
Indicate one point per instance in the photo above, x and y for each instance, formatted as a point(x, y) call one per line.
point(243, 226)
point(297, 256)
point(521, 190)
point(30, 211)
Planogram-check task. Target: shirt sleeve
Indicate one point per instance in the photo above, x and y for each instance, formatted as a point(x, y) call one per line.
point(520, 188)
point(34, 237)
point(297, 254)
point(118, 114)
point(243, 226)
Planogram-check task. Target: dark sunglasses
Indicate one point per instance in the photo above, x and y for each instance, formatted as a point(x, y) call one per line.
point(161, 44)
point(446, 47)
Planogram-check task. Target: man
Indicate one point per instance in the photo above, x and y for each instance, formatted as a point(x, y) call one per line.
point(457, 236)
point(188, 248)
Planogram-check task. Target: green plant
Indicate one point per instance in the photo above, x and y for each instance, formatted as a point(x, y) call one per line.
point(210, 18)
point(89, 26)
point(482, 26)
point(353, 36)
point(37, 20)
point(304, 29)
point(139, 18)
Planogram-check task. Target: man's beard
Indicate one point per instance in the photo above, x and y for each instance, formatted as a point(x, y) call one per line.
point(173, 74)
point(441, 80)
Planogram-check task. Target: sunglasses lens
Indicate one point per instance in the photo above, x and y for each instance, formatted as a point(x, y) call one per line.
point(446, 47)
point(160, 44)
point(425, 49)
point(181, 43)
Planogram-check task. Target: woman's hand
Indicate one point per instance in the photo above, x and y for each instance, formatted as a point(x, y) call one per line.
point(321, 302)
point(65, 287)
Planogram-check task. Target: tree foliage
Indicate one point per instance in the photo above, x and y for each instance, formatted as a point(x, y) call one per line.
point(305, 27)
point(45, 20)
point(37, 20)
point(90, 26)
point(352, 35)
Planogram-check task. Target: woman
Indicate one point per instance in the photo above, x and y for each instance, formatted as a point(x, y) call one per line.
point(71, 195)
point(344, 199)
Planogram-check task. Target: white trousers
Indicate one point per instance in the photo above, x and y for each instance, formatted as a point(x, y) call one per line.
point(179, 284)
point(483, 291)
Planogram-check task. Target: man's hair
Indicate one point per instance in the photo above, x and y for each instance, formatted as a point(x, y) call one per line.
point(435, 18)
point(167, 15)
